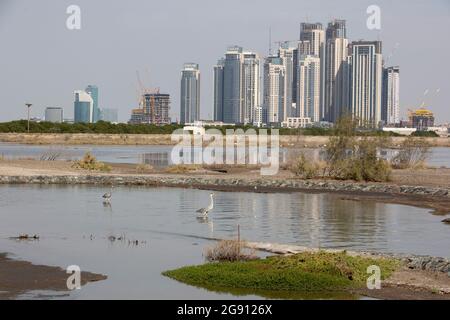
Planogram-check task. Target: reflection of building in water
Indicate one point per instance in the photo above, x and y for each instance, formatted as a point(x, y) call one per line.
point(156, 159)
point(308, 212)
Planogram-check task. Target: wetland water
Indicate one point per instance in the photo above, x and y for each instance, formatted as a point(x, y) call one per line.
point(159, 156)
point(74, 227)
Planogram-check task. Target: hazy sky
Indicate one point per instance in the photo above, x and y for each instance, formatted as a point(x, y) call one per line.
point(43, 62)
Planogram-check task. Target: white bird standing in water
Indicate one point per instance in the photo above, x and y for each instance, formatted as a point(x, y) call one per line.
point(107, 196)
point(205, 211)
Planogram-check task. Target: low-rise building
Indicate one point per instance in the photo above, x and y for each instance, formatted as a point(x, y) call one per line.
point(296, 122)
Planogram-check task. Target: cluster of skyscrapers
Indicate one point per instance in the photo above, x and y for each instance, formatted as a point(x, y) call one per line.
point(314, 80)
point(86, 108)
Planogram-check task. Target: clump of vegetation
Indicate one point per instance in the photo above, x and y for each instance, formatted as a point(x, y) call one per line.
point(144, 168)
point(348, 156)
point(89, 162)
point(229, 250)
point(321, 271)
point(182, 168)
point(413, 153)
point(306, 169)
point(355, 158)
point(421, 133)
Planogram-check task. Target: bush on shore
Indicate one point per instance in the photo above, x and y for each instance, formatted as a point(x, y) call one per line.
point(413, 153)
point(228, 250)
point(348, 156)
point(89, 162)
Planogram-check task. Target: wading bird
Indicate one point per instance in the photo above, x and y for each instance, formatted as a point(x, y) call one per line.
point(107, 196)
point(204, 211)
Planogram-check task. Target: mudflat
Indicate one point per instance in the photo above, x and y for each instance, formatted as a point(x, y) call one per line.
point(18, 277)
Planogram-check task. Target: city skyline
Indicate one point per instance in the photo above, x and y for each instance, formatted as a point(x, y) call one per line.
point(118, 85)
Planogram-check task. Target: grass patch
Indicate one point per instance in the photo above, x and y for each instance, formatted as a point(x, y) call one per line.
point(308, 272)
point(182, 168)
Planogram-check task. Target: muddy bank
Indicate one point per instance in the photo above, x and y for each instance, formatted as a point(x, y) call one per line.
point(19, 277)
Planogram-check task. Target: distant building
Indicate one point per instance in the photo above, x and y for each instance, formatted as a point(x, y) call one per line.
point(390, 110)
point(83, 107)
point(109, 115)
point(251, 87)
point(336, 71)
point(236, 86)
point(296, 122)
point(93, 92)
point(287, 53)
point(365, 72)
point(190, 93)
point(309, 84)
point(274, 90)
point(154, 109)
point(54, 114)
point(312, 36)
point(422, 119)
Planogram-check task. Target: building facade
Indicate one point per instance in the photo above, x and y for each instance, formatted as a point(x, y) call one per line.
point(312, 42)
point(251, 87)
point(83, 107)
point(390, 111)
point(237, 86)
point(274, 90)
point(218, 90)
point(365, 76)
point(190, 93)
point(92, 90)
point(336, 71)
point(109, 115)
point(287, 53)
point(309, 89)
point(154, 109)
point(54, 114)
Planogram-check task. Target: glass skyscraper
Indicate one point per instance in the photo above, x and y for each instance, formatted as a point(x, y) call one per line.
point(190, 93)
point(83, 107)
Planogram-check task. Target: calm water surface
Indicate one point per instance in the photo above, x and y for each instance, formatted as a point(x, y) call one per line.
point(158, 155)
point(74, 227)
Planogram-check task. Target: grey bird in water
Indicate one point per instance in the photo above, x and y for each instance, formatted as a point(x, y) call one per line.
point(107, 196)
point(204, 211)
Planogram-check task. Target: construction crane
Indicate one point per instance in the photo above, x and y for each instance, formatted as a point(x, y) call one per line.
point(143, 91)
point(391, 54)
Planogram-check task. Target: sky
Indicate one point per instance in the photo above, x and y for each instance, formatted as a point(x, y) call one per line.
point(43, 62)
